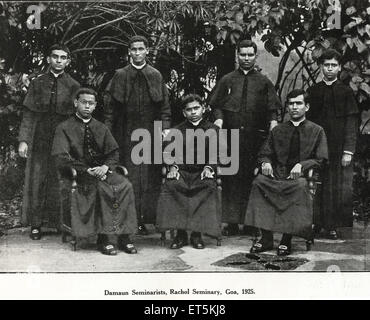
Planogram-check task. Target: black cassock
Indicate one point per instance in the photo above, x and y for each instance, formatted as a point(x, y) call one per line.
point(137, 99)
point(108, 206)
point(334, 108)
point(282, 205)
point(191, 203)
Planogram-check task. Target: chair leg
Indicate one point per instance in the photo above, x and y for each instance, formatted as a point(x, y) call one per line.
point(74, 244)
point(172, 234)
point(163, 238)
point(218, 242)
point(309, 243)
point(64, 236)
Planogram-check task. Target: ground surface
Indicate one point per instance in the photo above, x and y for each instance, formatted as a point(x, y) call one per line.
point(19, 254)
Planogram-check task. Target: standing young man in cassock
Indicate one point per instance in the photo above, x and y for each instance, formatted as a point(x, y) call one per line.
point(246, 100)
point(333, 107)
point(138, 97)
point(49, 101)
point(104, 201)
point(188, 200)
point(280, 200)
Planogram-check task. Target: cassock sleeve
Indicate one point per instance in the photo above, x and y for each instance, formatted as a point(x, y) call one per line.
point(352, 122)
point(267, 152)
point(217, 97)
point(320, 154)
point(27, 126)
point(61, 152)
point(110, 150)
point(165, 108)
point(273, 101)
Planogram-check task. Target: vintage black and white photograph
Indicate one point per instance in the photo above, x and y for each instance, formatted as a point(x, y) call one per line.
point(147, 138)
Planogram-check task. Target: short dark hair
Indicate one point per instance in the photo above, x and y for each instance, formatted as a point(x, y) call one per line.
point(247, 44)
point(59, 46)
point(330, 54)
point(191, 97)
point(85, 90)
point(297, 92)
point(138, 39)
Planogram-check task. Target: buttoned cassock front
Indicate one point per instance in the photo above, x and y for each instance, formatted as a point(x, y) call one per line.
point(248, 103)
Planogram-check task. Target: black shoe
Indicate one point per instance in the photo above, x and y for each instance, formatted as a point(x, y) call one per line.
point(126, 245)
point(178, 243)
point(332, 234)
point(108, 249)
point(232, 229)
point(35, 233)
point(197, 242)
point(142, 230)
point(260, 246)
point(283, 250)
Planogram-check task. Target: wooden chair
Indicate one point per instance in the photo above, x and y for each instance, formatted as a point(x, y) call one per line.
point(68, 185)
point(314, 187)
point(165, 170)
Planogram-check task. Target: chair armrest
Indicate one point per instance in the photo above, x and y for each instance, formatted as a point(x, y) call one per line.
point(313, 179)
point(122, 170)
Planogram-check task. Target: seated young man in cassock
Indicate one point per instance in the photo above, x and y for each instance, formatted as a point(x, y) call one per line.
point(280, 200)
point(188, 199)
point(104, 202)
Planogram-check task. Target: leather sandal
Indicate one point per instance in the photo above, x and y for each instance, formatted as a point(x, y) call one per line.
point(178, 243)
point(283, 250)
point(108, 249)
point(197, 243)
point(35, 234)
point(260, 247)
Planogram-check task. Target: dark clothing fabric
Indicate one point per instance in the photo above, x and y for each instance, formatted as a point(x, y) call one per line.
point(278, 204)
point(248, 103)
point(335, 109)
point(137, 99)
point(191, 203)
point(49, 101)
point(106, 207)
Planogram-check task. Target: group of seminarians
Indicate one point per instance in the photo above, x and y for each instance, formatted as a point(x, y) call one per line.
point(58, 132)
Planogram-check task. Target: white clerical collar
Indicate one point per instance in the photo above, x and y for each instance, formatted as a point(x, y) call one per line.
point(297, 123)
point(56, 75)
point(139, 67)
point(84, 120)
point(329, 83)
point(245, 71)
point(195, 123)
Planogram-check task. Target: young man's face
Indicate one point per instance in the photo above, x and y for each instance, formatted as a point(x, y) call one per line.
point(193, 111)
point(85, 105)
point(330, 69)
point(58, 60)
point(138, 52)
point(297, 108)
point(247, 58)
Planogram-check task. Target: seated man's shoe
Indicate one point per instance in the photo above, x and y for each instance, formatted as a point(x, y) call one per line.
point(142, 230)
point(178, 243)
point(126, 245)
point(197, 242)
point(108, 249)
point(35, 233)
point(283, 250)
point(231, 229)
point(128, 248)
point(261, 246)
point(333, 235)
